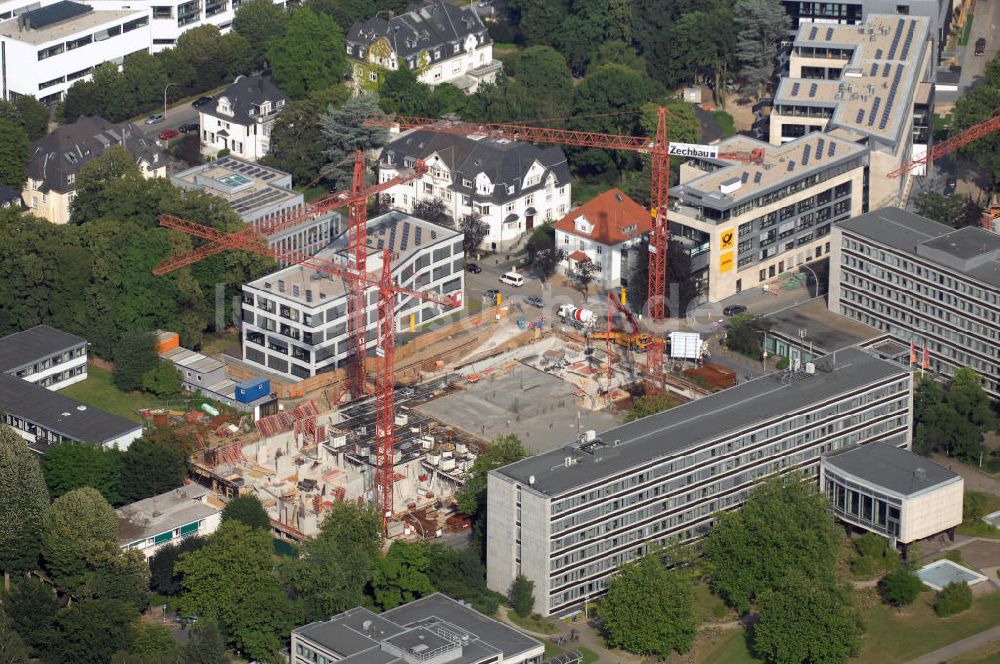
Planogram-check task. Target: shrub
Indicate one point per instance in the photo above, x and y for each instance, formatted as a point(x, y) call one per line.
point(900, 587)
point(953, 599)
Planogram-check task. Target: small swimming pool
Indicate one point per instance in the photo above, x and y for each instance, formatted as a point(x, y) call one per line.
point(940, 573)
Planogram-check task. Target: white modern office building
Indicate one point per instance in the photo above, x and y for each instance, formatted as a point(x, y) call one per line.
point(44, 51)
point(512, 186)
point(568, 518)
point(44, 356)
point(295, 320)
point(925, 284)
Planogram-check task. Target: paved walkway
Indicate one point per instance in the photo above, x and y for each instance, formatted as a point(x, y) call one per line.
point(589, 639)
point(975, 479)
point(959, 648)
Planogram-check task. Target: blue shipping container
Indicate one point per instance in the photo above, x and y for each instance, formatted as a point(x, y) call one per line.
point(250, 390)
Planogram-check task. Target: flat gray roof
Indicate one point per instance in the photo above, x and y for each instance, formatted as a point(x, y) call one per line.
point(973, 252)
point(673, 431)
point(159, 514)
point(826, 330)
point(895, 469)
point(59, 413)
point(35, 343)
point(68, 28)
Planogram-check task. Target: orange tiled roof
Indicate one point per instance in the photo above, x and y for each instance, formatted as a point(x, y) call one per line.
point(579, 256)
point(610, 214)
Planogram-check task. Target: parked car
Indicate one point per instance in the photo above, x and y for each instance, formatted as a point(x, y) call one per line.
point(491, 294)
point(535, 301)
point(169, 134)
point(949, 186)
point(473, 268)
point(189, 128)
point(734, 309)
point(155, 118)
point(980, 46)
point(202, 101)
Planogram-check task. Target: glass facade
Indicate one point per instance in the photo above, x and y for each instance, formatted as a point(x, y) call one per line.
point(862, 505)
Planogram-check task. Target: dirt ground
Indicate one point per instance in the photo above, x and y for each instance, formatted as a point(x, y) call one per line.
point(742, 114)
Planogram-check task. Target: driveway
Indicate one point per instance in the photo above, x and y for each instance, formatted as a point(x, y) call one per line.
point(984, 25)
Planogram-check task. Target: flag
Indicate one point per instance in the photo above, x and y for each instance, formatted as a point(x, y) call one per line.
point(913, 353)
point(927, 359)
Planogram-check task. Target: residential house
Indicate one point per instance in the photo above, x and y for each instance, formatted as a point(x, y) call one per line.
point(603, 231)
point(440, 41)
point(511, 185)
point(240, 118)
point(45, 50)
point(56, 159)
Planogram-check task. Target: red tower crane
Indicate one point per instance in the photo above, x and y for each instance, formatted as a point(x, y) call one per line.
point(657, 147)
point(358, 280)
point(356, 201)
point(963, 138)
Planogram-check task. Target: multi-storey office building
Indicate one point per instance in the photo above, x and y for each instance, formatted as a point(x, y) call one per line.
point(745, 224)
point(511, 185)
point(45, 356)
point(874, 80)
point(44, 51)
point(262, 197)
point(938, 12)
point(295, 320)
point(568, 518)
point(922, 283)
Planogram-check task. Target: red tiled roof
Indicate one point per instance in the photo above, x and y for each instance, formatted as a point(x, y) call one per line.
point(609, 214)
point(579, 256)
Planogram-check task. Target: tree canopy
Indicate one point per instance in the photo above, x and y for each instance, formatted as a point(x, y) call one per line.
point(649, 609)
point(72, 465)
point(900, 587)
point(248, 510)
point(80, 531)
point(504, 449)
point(23, 502)
point(760, 25)
point(309, 56)
point(401, 575)
point(260, 22)
point(522, 595)
point(952, 419)
point(345, 133)
point(784, 525)
point(13, 154)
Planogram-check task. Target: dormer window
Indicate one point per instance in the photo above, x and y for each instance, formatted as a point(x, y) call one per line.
point(466, 182)
point(455, 48)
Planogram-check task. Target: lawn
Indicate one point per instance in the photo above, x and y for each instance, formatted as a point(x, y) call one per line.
point(892, 636)
point(588, 656)
point(725, 122)
point(216, 342)
point(708, 607)
point(531, 624)
point(729, 646)
point(552, 650)
point(98, 391)
point(583, 191)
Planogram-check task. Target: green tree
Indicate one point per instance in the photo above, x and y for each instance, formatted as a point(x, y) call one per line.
point(522, 595)
point(649, 405)
point(145, 80)
point(309, 56)
point(474, 231)
point(34, 116)
point(973, 506)
point(345, 133)
point(541, 20)
point(297, 140)
point(401, 575)
point(620, 21)
point(226, 578)
point(584, 273)
point(617, 52)
point(32, 607)
point(162, 577)
point(163, 380)
point(973, 107)
point(400, 93)
point(900, 587)
point(124, 577)
point(207, 52)
point(953, 599)
point(80, 530)
point(13, 154)
point(262, 623)
point(248, 510)
point(760, 27)
point(583, 26)
point(73, 465)
point(649, 609)
point(460, 574)
point(806, 621)
point(434, 211)
point(784, 525)
point(967, 398)
point(505, 449)
point(135, 357)
point(12, 647)
point(90, 632)
point(152, 640)
point(347, 12)
point(743, 335)
point(260, 21)
point(543, 72)
point(938, 207)
point(23, 501)
point(206, 645)
point(96, 177)
point(703, 43)
point(334, 567)
point(148, 469)
point(447, 99)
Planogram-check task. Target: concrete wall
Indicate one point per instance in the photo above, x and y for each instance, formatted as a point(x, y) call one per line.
point(500, 533)
point(931, 512)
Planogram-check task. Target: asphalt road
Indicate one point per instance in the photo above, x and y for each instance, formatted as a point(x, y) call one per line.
point(182, 114)
point(984, 25)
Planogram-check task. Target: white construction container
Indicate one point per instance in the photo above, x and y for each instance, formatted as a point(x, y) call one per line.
point(434, 459)
point(448, 464)
point(461, 449)
point(336, 442)
point(402, 419)
point(685, 345)
point(427, 442)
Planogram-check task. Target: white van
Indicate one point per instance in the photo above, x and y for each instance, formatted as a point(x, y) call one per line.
point(512, 279)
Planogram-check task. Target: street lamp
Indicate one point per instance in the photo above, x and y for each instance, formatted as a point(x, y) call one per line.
point(813, 273)
point(165, 99)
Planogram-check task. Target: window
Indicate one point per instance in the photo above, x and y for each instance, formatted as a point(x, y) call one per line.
point(466, 182)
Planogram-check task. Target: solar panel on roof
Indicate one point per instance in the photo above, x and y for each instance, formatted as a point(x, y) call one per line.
point(791, 165)
point(875, 106)
point(833, 149)
point(745, 177)
point(812, 89)
point(829, 34)
point(878, 54)
point(756, 177)
point(861, 116)
point(795, 89)
point(416, 238)
point(874, 70)
point(812, 33)
point(895, 39)
point(909, 40)
point(805, 155)
point(885, 70)
point(61, 11)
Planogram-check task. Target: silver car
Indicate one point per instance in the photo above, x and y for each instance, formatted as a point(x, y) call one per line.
point(155, 118)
